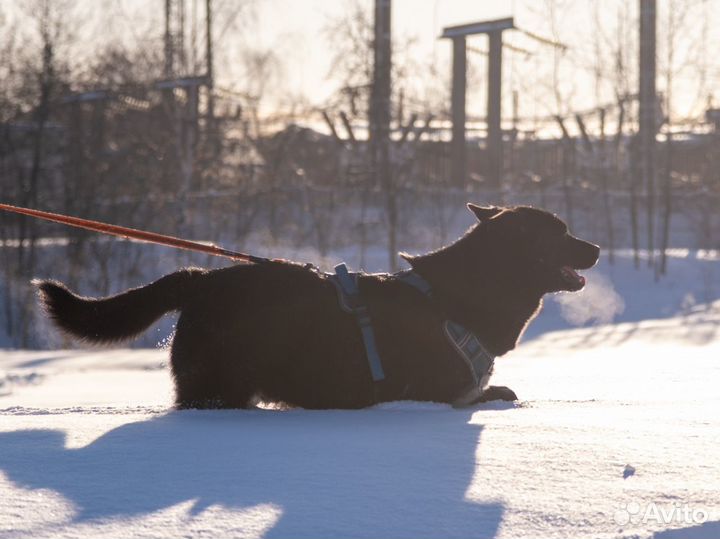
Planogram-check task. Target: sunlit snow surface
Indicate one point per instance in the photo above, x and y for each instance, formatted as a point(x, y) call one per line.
point(617, 435)
point(90, 448)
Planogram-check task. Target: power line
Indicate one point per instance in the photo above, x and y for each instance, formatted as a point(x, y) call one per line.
point(543, 40)
point(513, 48)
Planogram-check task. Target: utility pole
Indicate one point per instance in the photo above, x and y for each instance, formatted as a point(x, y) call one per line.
point(182, 60)
point(380, 115)
point(184, 117)
point(458, 34)
point(381, 86)
point(648, 114)
point(169, 48)
point(458, 151)
point(494, 107)
point(176, 61)
point(209, 59)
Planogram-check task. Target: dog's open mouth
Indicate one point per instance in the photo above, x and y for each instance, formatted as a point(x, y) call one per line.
point(572, 278)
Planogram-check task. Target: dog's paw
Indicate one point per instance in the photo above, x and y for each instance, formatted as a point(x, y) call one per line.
point(498, 393)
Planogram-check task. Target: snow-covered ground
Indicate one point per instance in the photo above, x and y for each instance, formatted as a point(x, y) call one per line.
point(617, 435)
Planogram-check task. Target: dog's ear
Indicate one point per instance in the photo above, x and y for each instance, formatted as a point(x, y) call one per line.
point(407, 257)
point(483, 213)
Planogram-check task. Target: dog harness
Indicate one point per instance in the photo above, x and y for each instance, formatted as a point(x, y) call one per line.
point(351, 301)
point(467, 345)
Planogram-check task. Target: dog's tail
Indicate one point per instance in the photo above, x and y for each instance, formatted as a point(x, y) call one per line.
point(119, 317)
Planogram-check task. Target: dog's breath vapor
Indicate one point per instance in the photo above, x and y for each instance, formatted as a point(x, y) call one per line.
point(597, 303)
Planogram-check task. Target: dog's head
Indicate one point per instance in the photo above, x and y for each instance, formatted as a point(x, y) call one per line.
point(533, 246)
point(493, 278)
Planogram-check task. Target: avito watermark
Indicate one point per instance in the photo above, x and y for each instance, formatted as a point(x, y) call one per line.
point(657, 513)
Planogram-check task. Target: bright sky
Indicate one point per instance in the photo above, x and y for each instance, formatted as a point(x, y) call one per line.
point(547, 80)
point(585, 74)
point(303, 22)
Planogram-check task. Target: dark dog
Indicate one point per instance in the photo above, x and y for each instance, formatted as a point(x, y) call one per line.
point(275, 331)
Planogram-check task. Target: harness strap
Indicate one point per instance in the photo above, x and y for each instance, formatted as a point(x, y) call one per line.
point(416, 281)
point(352, 302)
point(477, 358)
point(468, 346)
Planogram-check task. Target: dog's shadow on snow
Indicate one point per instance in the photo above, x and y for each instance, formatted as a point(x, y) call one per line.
point(391, 472)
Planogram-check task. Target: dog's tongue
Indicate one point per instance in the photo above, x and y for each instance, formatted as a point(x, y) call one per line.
point(572, 277)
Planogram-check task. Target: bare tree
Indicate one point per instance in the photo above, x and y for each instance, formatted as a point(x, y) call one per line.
point(34, 80)
point(679, 20)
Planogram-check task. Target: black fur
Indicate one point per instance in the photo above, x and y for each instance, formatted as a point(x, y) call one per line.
point(274, 331)
point(116, 318)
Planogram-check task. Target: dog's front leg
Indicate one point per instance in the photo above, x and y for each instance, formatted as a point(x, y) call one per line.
point(498, 393)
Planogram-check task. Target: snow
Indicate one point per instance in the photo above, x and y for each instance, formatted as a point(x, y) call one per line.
point(616, 435)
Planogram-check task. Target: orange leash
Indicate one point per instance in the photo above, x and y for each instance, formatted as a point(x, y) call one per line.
point(132, 233)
